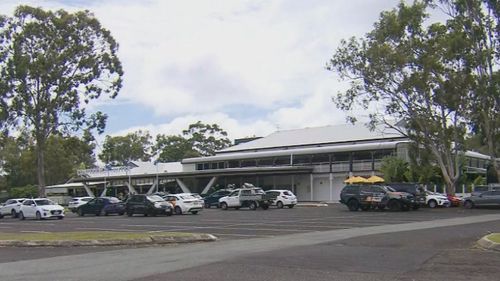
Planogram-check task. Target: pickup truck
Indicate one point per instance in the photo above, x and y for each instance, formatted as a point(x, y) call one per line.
point(252, 198)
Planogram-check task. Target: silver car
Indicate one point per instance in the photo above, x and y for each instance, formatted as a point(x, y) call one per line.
point(11, 207)
point(487, 198)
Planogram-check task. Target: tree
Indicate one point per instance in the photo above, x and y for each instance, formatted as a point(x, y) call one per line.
point(120, 150)
point(173, 148)
point(52, 64)
point(206, 139)
point(478, 22)
point(394, 169)
point(413, 71)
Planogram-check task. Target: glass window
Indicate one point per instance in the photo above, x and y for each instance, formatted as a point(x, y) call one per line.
point(320, 159)
point(265, 162)
point(343, 156)
point(248, 163)
point(235, 193)
point(222, 165)
point(27, 202)
point(246, 192)
point(10, 201)
point(233, 164)
point(282, 161)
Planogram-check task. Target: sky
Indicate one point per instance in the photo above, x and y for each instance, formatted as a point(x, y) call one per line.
point(253, 67)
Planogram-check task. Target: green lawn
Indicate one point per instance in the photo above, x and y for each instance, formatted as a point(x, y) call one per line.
point(88, 235)
point(495, 237)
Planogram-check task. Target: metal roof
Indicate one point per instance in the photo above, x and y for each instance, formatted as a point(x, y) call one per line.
point(315, 136)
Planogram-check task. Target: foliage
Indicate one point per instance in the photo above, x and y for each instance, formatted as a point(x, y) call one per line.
point(119, 150)
point(28, 191)
point(64, 156)
point(394, 169)
point(206, 139)
point(52, 64)
point(479, 180)
point(173, 148)
point(414, 71)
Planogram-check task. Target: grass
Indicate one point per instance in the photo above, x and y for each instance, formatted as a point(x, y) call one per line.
point(495, 237)
point(86, 235)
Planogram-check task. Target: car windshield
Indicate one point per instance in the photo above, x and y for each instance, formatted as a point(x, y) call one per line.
point(155, 198)
point(44, 202)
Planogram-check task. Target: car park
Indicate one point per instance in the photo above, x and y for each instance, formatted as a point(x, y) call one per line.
point(434, 199)
point(40, 208)
point(485, 199)
point(102, 206)
point(252, 198)
point(77, 202)
point(185, 203)
point(368, 196)
point(213, 198)
point(281, 198)
point(11, 207)
point(147, 205)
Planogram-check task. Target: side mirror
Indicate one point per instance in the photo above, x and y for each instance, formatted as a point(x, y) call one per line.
point(32, 205)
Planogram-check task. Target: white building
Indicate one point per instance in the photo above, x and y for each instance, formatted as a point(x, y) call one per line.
point(312, 162)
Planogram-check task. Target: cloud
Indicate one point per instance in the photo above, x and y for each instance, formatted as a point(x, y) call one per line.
point(250, 66)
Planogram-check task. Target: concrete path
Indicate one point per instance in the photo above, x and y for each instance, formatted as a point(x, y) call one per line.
point(129, 264)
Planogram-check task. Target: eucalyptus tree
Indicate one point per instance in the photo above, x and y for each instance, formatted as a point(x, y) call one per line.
point(119, 150)
point(206, 139)
point(412, 70)
point(52, 65)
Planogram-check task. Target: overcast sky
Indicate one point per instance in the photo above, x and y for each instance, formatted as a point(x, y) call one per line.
point(250, 66)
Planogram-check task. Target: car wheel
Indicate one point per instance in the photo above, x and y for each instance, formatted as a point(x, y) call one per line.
point(106, 213)
point(121, 213)
point(194, 212)
point(381, 207)
point(279, 204)
point(468, 204)
point(169, 213)
point(236, 208)
point(394, 205)
point(353, 205)
point(60, 218)
point(1, 216)
point(223, 205)
point(252, 206)
point(291, 206)
point(432, 204)
point(80, 212)
point(416, 207)
point(38, 216)
point(21, 216)
point(178, 210)
point(207, 205)
point(13, 214)
point(130, 213)
point(265, 206)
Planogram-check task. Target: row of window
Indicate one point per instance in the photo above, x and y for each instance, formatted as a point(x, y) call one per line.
point(298, 160)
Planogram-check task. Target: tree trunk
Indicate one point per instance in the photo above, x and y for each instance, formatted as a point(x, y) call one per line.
point(40, 168)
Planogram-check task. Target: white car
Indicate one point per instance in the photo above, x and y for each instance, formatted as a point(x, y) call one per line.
point(282, 197)
point(11, 207)
point(77, 202)
point(185, 203)
point(40, 208)
point(434, 199)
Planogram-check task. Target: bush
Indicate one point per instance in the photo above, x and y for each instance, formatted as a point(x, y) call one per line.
point(27, 191)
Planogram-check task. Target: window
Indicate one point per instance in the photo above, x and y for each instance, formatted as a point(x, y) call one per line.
point(282, 161)
point(199, 166)
point(248, 163)
point(233, 164)
point(10, 201)
point(235, 193)
point(340, 157)
point(265, 162)
point(246, 192)
point(321, 159)
point(27, 203)
point(222, 165)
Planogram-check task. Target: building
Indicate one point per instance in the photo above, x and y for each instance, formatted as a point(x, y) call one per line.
point(312, 162)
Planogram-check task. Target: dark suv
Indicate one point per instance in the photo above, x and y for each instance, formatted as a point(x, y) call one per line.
point(413, 188)
point(147, 205)
point(366, 197)
point(213, 199)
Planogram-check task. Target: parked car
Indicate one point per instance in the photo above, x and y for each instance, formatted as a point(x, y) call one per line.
point(455, 201)
point(413, 188)
point(366, 197)
point(102, 206)
point(252, 198)
point(213, 199)
point(77, 202)
point(40, 208)
point(485, 199)
point(478, 189)
point(185, 203)
point(434, 199)
point(11, 207)
point(147, 205)
point(282, 198)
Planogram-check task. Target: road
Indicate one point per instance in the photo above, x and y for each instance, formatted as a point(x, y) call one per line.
point(428, 244)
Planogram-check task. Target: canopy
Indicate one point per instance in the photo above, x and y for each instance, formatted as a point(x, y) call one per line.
point(356, 179)
point(375, 179)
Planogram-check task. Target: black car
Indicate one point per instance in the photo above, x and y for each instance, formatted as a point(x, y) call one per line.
point(413, 188)
point(213, 199)
point(366, 197)
point(147, 205)
point(102, 206)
